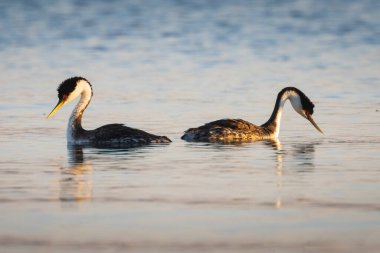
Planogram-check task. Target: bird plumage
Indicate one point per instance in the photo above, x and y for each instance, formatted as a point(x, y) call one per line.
point(121, 134)
point(226, 130)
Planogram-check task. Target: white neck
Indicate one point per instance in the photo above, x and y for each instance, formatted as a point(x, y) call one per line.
point(275, 119)
point(83, 89)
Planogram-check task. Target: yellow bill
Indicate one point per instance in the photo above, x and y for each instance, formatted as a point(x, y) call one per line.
point(313, 122)
point(56, 108)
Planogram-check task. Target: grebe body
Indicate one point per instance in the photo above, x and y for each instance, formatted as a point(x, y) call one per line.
point(110, 134)
point(238, 130)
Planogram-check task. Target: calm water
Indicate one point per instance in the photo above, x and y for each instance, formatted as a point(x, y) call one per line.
point(164, 66)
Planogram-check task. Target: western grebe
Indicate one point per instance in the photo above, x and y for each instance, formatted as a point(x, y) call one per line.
point(237, 130)
point(107, 134)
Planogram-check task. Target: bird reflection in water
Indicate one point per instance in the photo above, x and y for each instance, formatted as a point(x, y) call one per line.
point(276, 145)
point(304, 155)
point(76, 182)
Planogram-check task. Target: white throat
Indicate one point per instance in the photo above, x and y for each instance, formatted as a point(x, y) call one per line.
point(82, 89)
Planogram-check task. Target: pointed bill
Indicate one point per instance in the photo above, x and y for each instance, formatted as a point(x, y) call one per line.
point(313, 122)
point(56, 108)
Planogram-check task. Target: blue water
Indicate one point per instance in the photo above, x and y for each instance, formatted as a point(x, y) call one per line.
point(165, 66)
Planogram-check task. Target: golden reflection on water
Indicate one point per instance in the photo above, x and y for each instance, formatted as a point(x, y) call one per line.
point(276, 144)
point(76, 182)
point(279, 154)
point(303, 153)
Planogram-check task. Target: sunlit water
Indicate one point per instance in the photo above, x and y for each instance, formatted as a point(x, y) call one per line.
point(165, 66)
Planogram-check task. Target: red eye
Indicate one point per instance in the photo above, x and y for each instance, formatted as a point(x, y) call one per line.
point(64, 96)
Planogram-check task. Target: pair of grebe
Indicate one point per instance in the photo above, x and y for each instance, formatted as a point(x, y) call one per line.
point(224, 130)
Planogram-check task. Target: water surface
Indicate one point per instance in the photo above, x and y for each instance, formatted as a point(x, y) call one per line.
point(165, 66)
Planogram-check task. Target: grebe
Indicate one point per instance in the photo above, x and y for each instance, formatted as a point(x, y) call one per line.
point(107, 134)
point(238, 130)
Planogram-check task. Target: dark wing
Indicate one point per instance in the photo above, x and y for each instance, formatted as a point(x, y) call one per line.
point(223, 130)
point(119, 133)
point(233, 124)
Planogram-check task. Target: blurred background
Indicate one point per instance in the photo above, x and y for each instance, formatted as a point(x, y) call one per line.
point(179, 52)
point(164, 66)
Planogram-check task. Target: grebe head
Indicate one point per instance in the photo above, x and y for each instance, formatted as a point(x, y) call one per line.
point(68, 90)
point(301, 104)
